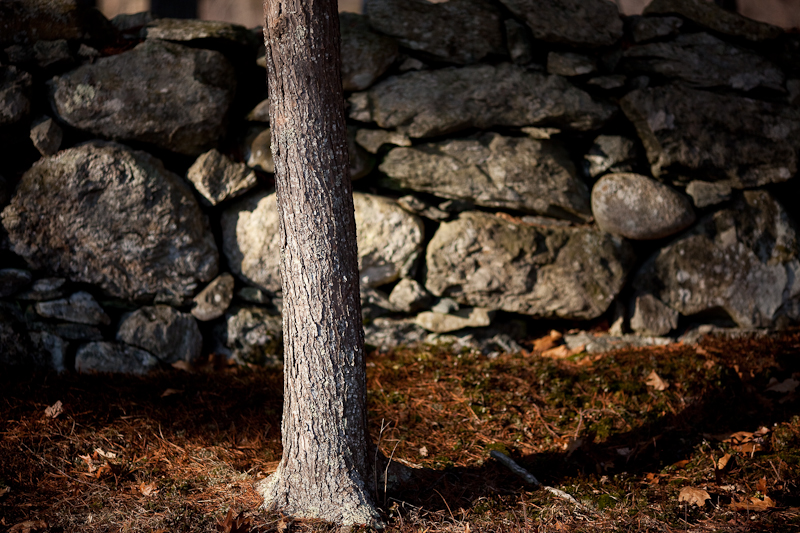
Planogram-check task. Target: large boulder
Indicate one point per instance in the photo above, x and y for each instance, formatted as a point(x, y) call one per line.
point(458, 31)
point(186, 30)
point(15, 94)
point(638, 207)
point(703, 60)
point(163, 331)
point(389, 240)
point(715, 18)
point(428, 103)
point(182, 105)
point(571, 22)
point(742, 260)
point(744, 141)
point(366, 54)
point(104, 214)
point(113, 358)
point(490, 261)
point(518, 173)
point(27, 21)
point(250, 335)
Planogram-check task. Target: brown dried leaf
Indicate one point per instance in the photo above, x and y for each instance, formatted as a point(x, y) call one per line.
point(148, 489)
point(54, 410)
point(27, 526)
point(724, 462)
point(170, 392)
point(559, 352)
point(655, 381)
point(754, 504)
point(548, 342)
point(229, 524)
point(693, 496)
point(761, 486)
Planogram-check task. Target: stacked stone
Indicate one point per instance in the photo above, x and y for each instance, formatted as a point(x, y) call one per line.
point(548, 159)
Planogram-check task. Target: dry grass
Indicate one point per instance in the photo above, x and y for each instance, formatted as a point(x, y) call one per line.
point(177, 451)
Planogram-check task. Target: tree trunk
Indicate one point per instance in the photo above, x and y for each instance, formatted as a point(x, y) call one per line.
point(324, 467)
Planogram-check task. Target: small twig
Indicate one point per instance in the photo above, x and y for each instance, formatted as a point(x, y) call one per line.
point(509, 463)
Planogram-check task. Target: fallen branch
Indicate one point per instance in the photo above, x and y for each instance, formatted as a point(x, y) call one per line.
point(509, 463)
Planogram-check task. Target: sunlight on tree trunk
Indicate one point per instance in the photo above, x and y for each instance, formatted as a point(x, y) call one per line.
point(324, 467)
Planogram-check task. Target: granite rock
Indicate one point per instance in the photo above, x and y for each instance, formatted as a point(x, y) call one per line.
point(648, 28)
point(570, 64)
point(715, 18)
point(610, 153)
point(217, 178)
point(187, 30)
point(13, 280)
point(251, 335)
point(571, 22)
point(468, 317)
point(409, 296)
point(15, 94)
point(651, 317)
point(80, 307)
point(113, 358)
point(214, 300)
point(46, 135)
point(366, 54)
point(164, 332)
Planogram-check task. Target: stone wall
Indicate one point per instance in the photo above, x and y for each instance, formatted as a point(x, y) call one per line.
point(542, 160)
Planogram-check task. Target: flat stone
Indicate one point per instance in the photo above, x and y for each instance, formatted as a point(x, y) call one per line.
point(113, 358)
point(651, 317)
point(389, 240)
point(570, 64)
point(260, 113)
point(492, 170)
point(46, 135)
point(409, 296)
point(430, 103)
point(572, 22)
point(187, 30)
point(132, 22)
point(457, 31)
point(258, 150)
point(610, 153)
point(15, 94)
point(251, 335)
point(415, 205)
point(214, 300)
point(217, 178)
point(374, 303)
point(73, 332)
point(608, 83)
point(44, 289)
point(182, 105)
point(16, 346)
point(373, 140)
point(165, 332)
point(747, 142)
point(80, 307)
point(104, 214)
point(639, 208)
point(705, 193)
point(649, 28)
point(475, 317)
point(52, 54)
point(253, 295)
point(741, 261)
point(519, 40)
point(361, 161)
point(599, 343)
point(715, 18)
point(702, 60)
point(366, 54)
point(54, 346)
point(488, 261)
point(13, 280)
point(388, 333)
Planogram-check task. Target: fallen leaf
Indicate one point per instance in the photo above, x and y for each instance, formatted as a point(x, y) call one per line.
point(545, 343)
point(724, 461)
point(54, 410)
point(148, 489)
point(761, 486)
point(559, 352)
point(423, 451)
point(786, 386)
point(693, 496)
point(183, 365)
point(170, 392)
point(655, 381)
point(680, 464)
point(754, 504)
point(27, 526)
point(89, 463)
point(4, 490)
point(229, 524)
point(103, 453)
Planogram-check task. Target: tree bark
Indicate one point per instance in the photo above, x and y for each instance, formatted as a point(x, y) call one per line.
point(324, 467)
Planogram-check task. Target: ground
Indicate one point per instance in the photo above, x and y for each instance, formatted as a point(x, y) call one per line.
point(629, 434)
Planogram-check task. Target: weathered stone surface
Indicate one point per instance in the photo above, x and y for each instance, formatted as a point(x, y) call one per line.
point(458, 31)
point(573, 22)
point(472, 317)
point(132, 22)
point(182, 105)
point(387, 333)
point(260, 113)
point(520, 43)
point(488, 261)
point(113, 358)
point(389, 240)
point(166, 333)
point(53, 346)
point(16, 346)
point(706, 193)
point(26, 21)
point(258, 150)
point(649, 28)
point(104, 214)
point(213, 301)
point(44, 289)
point(748, 142)
point(742, 260)
point(703, 60)
point(217, 178)
point(638, 207)
point(366, 54)
point(46, 135)
point(15, 93)
point(491, 170)
point(610, 153)
point(711, 16)
point(415, 205)
point(374, 303)
point(599, 342)
point(428, 103)
point(55, 54)
point(13, 280)
point(169, 29)
point(71, 331)
point(609, 83)
point(373, 140)
point(409, 296)
point(80, 307)
point(251, 335)
point(652, 317)
point(570, 64)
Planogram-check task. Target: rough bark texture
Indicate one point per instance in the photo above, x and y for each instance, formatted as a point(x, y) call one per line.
point(324, 465)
